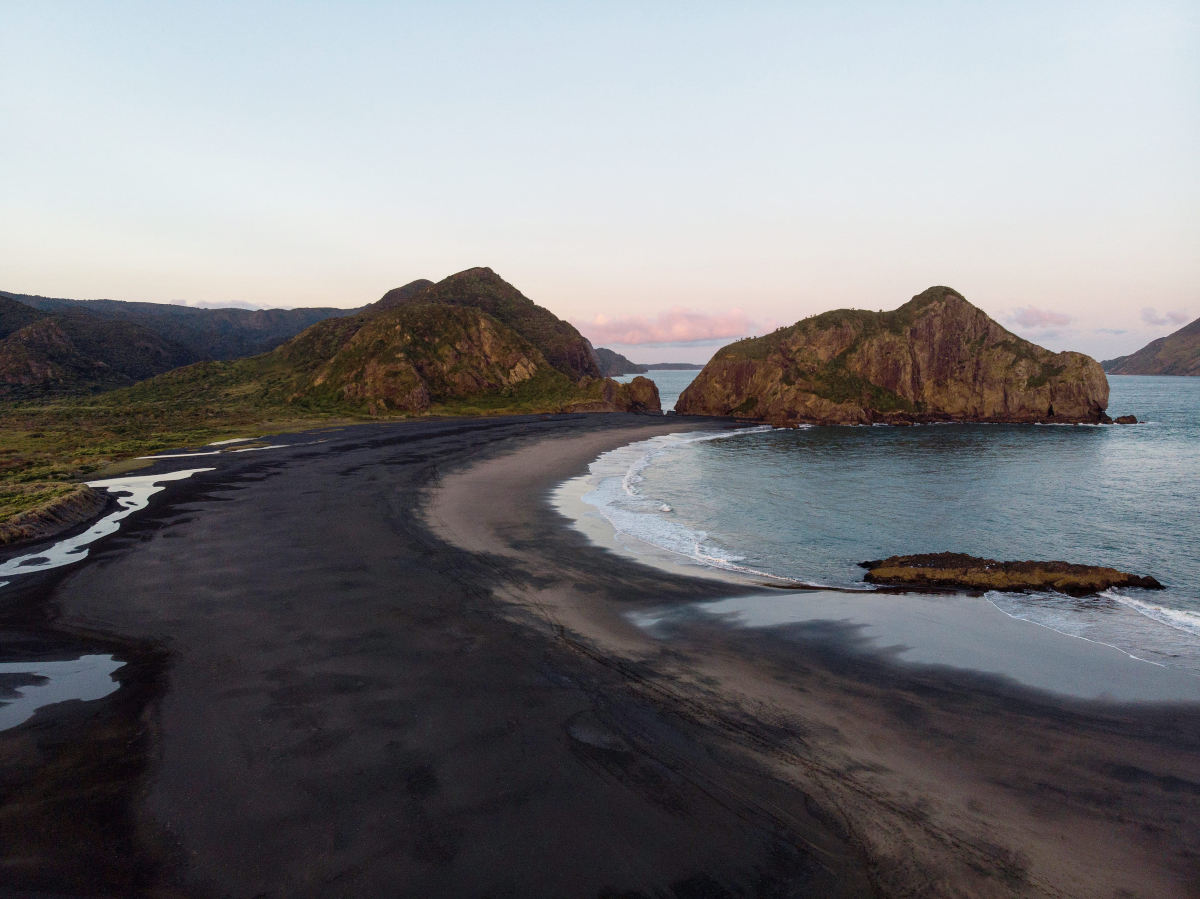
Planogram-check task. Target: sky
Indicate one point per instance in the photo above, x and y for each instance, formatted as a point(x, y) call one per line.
point(666, 176)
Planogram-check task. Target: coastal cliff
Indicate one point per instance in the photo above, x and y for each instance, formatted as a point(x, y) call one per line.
point(1176, 354)
point(936, 358)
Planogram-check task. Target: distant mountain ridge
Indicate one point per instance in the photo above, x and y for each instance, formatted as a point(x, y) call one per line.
point(71, 352)
point(52, 345)
point(1176, 354)
point(206, 333)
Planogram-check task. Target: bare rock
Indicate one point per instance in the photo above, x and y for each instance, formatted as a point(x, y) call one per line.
point(941, 571)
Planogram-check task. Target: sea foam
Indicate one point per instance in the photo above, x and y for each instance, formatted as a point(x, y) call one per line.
point(617, 480)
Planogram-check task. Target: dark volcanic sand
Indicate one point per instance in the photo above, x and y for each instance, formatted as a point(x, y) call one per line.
point(326, 697)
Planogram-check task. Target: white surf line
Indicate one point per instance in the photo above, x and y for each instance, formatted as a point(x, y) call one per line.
point(1081, 637)
point(231, 440)
point(74, 549)
point(1182, 620)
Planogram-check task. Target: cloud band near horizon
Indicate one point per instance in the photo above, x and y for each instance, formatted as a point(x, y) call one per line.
point(675, 326)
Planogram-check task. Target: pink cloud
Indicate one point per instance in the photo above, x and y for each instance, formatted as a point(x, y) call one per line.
point(1151, 317)
point(1030, 317)
point(676, 325)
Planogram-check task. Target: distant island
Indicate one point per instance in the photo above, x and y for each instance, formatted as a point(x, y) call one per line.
point(1175, 354)
point(613, 364)
point(936, 358)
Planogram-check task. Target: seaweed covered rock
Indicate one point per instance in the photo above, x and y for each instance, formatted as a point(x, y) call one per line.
point(957, 570)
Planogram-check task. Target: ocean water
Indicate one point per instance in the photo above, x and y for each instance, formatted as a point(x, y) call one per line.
point(670, 384)
point(809, 504)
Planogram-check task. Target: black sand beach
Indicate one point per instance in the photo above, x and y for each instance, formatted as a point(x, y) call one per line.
point(382, 665)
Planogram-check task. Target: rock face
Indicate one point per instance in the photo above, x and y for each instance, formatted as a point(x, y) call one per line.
point(563, 346)
point(613, 363)
point(406, 357)
point(936, 358)
point(424, 346)
point(1175, 354)
point(955, 570)
point(607, 395)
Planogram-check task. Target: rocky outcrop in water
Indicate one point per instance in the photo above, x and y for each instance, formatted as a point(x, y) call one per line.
point(942, 571)
point(607, 395)
point(1175, 354)
point(936, 358)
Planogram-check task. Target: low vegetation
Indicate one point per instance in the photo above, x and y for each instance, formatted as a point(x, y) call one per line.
point(470, 345)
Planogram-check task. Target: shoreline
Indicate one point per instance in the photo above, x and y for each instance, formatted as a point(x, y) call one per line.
point(752, 676)
point(330, 697)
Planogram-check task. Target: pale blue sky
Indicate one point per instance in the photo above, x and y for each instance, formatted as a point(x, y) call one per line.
point(771, 160)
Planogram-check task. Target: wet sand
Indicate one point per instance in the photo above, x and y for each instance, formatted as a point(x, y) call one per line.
point(382, 665)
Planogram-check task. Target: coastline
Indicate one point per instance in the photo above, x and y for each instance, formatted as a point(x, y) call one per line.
point(939, 816)
point(329, 696)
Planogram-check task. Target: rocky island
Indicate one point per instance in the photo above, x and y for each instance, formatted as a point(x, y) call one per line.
point(613, 364)
point(936, 358)
point(941, 571)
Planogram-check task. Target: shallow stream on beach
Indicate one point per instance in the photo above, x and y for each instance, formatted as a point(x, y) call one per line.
point(809, 504)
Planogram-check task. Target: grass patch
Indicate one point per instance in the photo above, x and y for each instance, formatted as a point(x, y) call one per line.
point(18, 498)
